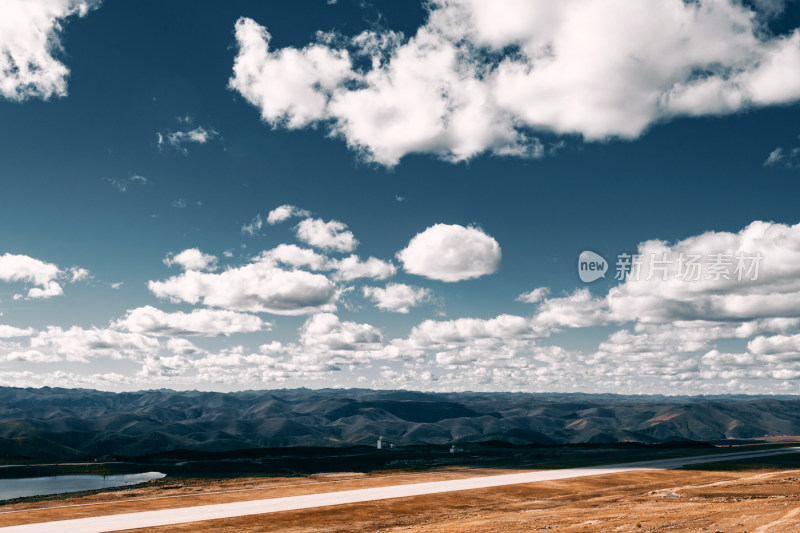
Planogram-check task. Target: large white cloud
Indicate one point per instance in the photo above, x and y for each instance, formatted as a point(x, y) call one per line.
point(451, 253)
point(480, 76)
point(750, 278)
point(30, 38)
point(649, 297)
point(203, 322)
point(260, 286)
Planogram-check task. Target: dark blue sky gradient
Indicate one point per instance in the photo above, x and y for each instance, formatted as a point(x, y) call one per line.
point(133, 72)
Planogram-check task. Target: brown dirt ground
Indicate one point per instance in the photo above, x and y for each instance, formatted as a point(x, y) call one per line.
point(755, 498)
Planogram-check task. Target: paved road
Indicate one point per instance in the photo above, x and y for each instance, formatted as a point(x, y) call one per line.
point(182, 515)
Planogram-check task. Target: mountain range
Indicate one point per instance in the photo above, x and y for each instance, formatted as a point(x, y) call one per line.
point(66, 424)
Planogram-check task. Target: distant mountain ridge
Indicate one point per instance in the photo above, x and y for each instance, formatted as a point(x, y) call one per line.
point(63, 424)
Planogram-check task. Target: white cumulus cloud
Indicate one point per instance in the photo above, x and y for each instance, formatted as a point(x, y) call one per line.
point(397, 297)
point(260, 286)
point(346, 269)
point(78, 344)
point(451, 253)
point(534, 296)
point(326, 330)
point(200, 322)
point(192, 259)
point(487, 76)
point(30, 40)
point(649, 297)
point(7, 332)
point(352, 267)
point(440, 333)
point(331, 235)
point(285, 212)
point(46, 277)
point(285, 85)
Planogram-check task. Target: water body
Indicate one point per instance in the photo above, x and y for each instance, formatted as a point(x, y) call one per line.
point(39, 486)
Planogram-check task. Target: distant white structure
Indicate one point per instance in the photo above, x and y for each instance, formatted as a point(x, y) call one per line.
point(384, 444)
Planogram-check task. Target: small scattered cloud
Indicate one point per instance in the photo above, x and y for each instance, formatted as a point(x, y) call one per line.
point(77, 274)
point(349, 268)
point(784, 157)
point(534, 296)
point(254, 226)
point(774, 157)
point(331, 235)
point(280, 214)
point(183, 203)
point(285, 212)
point(182, 139)
point(122, 184)
point(397, 297)
point(192, 259)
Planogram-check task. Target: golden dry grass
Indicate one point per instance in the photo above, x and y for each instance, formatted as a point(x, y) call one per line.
point(759, 499)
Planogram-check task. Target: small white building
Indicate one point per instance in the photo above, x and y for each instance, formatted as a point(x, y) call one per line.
point(384, 444)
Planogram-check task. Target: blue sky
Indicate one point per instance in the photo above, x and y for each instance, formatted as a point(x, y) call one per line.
point(491, 145)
